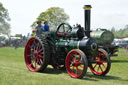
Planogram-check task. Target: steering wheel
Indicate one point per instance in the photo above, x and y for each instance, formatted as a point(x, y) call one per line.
point(64, 30)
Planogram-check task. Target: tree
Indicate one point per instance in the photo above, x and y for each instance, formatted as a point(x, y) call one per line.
point(4, 18)
point(4, 15)
point(5, 28)
point(54, 16)
point(126, 27)
point(113, 29)
point(122, 33)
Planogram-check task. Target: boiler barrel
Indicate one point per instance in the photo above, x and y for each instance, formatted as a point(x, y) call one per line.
point(87, 45)
point(103, 36)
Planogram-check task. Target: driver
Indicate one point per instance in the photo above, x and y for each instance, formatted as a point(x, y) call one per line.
point(39, 28)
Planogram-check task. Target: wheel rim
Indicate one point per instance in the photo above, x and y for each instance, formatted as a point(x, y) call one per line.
point(101, 65)
point(75, 64)
point(34, 54)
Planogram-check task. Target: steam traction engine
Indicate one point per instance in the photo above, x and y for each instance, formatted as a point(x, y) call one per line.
point(67, 47)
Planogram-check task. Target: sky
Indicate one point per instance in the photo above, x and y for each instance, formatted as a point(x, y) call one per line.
point(104, 13)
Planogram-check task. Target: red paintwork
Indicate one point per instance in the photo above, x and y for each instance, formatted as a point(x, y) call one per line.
point(101, 66)
point(74, 66)
point(60, 34)
point(33, 55)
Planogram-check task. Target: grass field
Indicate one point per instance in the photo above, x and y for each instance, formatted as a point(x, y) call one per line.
point(13, 71)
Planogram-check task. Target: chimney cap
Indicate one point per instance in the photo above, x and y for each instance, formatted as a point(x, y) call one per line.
point(87, 7)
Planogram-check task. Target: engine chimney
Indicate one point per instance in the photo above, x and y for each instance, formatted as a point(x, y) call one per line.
point(87, 12)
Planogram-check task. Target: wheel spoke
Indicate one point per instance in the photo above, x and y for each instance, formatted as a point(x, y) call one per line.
point(95, 65)
point(38, 61)
point(73, 69)
point(40, 56)
point(35, 64)
point(81, 66)
point(101, 68)
point(78, 70)
point(98, 68)
point(103, 65)
point(41, 61)
point(79, 57)
point(40, 50)
point(41, 53)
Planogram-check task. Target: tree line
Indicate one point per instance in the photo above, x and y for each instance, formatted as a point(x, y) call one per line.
point(121, 33)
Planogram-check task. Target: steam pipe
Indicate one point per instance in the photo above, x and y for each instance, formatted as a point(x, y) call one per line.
point(87, 13)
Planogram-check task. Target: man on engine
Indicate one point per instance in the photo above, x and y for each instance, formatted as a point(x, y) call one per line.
point(46, 27)
point(39, 28)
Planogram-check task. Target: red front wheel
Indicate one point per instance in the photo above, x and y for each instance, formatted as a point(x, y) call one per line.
point(76, 63)
point(102, 63)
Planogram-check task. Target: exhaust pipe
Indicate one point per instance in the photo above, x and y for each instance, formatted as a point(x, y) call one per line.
point(87, 13)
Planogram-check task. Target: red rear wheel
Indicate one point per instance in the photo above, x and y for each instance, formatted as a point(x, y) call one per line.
point(102, 63)
point(76, 63)
point(34, 55)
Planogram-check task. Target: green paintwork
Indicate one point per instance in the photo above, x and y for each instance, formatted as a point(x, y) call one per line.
point(74, 33)
point(103, 36)
point(69, 44)
point(62, 42)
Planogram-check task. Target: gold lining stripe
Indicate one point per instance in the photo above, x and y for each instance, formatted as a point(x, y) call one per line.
point(87, 8)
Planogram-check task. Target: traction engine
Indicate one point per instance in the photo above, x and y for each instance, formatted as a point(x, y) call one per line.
point(67, 48)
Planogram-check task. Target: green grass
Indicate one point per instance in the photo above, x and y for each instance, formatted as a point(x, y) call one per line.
point(13, 71)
